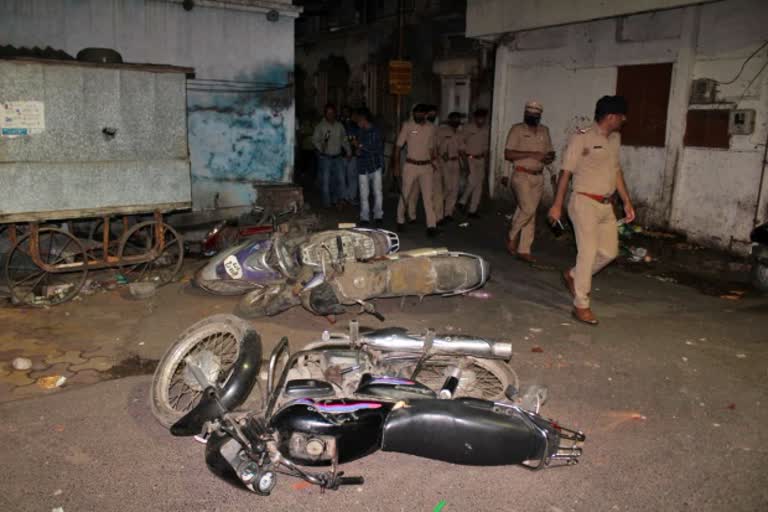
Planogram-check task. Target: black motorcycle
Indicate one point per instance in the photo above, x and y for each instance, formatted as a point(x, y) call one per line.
point(303, 424)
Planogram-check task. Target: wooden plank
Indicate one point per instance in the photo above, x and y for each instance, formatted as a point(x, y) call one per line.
point(61, 215)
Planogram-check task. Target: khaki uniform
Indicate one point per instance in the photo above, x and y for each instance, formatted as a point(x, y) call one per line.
point(420, 142)
point(476, 143)
point(438, 182)
point(527, 180)
point(593, 159)
point(450, 144)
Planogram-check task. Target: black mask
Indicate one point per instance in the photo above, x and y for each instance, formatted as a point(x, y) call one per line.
point(419, 119)
point(531, 120)
point(431, 119)
point(454, 122)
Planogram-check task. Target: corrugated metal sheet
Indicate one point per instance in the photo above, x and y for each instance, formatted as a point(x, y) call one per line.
point(72, 165)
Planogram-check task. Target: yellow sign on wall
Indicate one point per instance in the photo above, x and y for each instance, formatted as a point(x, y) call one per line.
point(400, 77)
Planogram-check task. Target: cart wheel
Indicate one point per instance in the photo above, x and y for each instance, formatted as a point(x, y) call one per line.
point(139, 240)
point(96, 238)
point(33, 286)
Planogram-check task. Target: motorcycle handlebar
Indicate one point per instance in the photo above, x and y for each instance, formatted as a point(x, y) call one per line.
point(351, 480)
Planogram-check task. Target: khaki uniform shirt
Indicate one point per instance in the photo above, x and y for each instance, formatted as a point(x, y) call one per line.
point(420, 139)
point(449, 142)
point(329, 138)
point(593, 159)
point(476, 139)
point(522, 137)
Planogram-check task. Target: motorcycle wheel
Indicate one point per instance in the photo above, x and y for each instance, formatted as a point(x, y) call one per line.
point(760, 276)
point(486, 379)
point(258, 303)
point(214, 343)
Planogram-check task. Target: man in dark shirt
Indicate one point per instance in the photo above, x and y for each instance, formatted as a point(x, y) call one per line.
point(370, 166)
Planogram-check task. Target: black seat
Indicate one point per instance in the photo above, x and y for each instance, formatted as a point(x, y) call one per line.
point(461, 432)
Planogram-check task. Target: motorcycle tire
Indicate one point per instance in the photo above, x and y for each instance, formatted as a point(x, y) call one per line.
point(220, 335)
point(265, 301)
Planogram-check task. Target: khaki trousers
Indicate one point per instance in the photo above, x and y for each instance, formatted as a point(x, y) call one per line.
point(417, 178)
point(597, 239)
point(528, 189)
point(451, 172)
point(438, 197)
point(474, 190)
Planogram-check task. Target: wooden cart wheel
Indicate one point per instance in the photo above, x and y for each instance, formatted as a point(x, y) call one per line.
point(33, 286)
point(139, 240)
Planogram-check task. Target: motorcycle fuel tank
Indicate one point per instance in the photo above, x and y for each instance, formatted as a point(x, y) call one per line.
point(313, 432)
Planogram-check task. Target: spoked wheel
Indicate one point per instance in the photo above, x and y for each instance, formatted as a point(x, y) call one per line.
point(33, 286)
point(212, 345)
point(140, 240)
point(486, 379)
point(96, 238)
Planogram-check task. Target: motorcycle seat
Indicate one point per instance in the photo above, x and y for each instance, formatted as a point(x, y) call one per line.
point(308, 388)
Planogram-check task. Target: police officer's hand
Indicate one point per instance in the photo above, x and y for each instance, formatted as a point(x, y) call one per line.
point(555, 213)
point(629, 212)
point(549, 158)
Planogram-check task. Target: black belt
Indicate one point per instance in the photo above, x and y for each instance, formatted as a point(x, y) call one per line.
point(326, 155)
point(418, 162)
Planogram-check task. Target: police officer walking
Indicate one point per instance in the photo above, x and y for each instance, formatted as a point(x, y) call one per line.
point(529, 149)
point(476, 143)
point(592, 158)
point(450, 145)
point(418, 136)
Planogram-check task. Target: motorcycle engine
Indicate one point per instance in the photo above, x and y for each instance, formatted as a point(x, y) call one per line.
point(311, 447)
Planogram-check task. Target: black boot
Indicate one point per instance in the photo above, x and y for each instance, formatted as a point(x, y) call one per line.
point(400, 228)
point(432, 232)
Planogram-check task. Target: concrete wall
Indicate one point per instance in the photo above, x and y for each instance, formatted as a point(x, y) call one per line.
point(241, 126)
point(710, 194)
point(492, 17)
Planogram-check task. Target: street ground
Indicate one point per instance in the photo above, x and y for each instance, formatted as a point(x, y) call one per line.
point(670, 390)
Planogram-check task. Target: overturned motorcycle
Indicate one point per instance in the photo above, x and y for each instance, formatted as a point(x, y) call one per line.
point(328, 290)
point(259, 264)
point(350, 413)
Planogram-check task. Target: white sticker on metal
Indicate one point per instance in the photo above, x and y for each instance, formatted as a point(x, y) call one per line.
point(233, 268)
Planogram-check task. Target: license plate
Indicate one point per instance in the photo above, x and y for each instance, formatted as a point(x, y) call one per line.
point(232, 267)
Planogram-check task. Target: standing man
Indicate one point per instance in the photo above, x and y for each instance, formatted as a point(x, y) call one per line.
point(529, 149)
point(476, 143)
point(450, 145)
point(370, 165)
point(350, 126)
point(419, 136)
point(329, 140)
point(437, 182)
point(592, 157)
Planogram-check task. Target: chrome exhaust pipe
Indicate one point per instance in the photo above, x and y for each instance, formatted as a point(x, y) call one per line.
point(398, 340)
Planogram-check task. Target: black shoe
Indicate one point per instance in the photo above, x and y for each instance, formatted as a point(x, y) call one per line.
point(447, 219)
point(364, 223)
point(379, 223)
point(474, 215)
point(441, 222)
point(462, 208)
point(432, 232)
point(411, 221)
point(400, 228)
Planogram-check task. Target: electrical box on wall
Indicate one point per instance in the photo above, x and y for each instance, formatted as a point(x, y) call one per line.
point(703, 91)
point(741, 122)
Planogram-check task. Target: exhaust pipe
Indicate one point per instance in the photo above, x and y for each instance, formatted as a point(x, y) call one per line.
point(398, 340)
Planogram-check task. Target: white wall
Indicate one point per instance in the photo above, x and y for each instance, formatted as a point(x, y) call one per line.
point(709, 194)
point(234, 138)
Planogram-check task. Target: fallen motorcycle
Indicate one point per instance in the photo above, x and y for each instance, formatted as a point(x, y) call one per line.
point(259, 264)
point(306, 422)
point(416, 273)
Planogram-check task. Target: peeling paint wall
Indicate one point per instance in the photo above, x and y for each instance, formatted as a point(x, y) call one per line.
point(709, 194)
point(240, 104)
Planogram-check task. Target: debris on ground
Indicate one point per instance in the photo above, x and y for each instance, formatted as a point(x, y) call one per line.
point(731, 406)
point(21, 364)
point(51, 381)
point(537, 349)
point(665, 279)
point(733, 295)
point(741, 356)
point(659, 234)
point(479, 294)
point(638, 254)
point(536, 329)
point(142, 290)
point(58, 428)
point(464, 224)
point(121, 279)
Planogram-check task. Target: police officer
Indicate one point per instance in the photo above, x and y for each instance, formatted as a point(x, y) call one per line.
point(592, 158)
point(476, 142)
point(529, 149)
point(437, 180)
point(450, 145)
point(418, 136)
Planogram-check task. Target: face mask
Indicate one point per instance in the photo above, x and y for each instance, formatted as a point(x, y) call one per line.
point(431, 119)
point(419, 119)
point(532, 120)
point(454, 123)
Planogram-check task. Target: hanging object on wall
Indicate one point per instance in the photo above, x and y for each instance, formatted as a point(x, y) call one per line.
point(703, 91)
point(188, 5)
point(741, 122)
point(273, 16)
point(400, 77)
